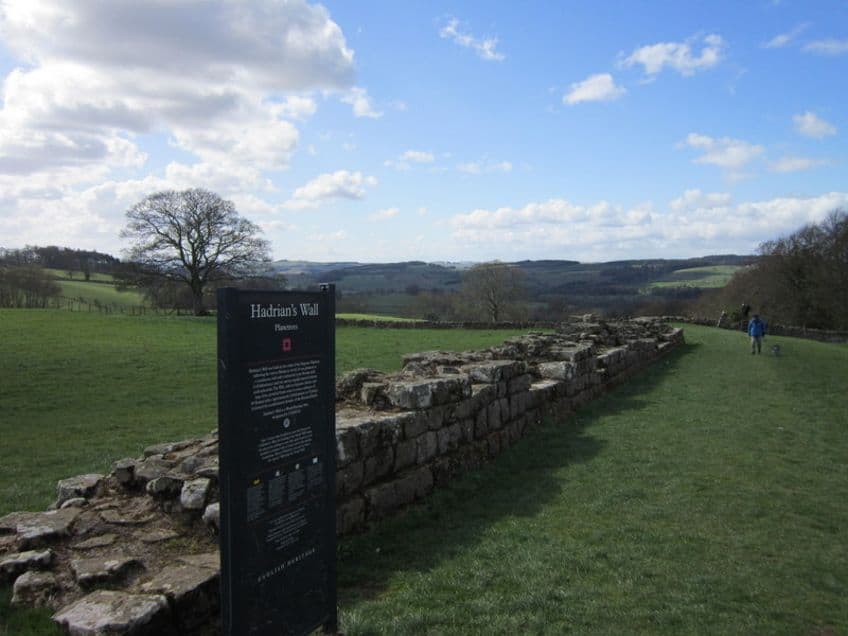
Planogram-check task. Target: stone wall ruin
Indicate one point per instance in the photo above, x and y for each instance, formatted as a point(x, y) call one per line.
point(135, 551)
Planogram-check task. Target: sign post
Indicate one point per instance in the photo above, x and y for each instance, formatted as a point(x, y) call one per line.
point(277, 455)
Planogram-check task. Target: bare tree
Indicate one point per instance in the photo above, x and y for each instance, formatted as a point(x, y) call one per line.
point(193, 237)
point(494, 290)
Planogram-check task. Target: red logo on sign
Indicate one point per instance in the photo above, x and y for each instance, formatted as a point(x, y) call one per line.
point(287, 345)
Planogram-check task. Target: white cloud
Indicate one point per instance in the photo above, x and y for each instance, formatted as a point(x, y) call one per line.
point(485, 47)
point(784, 39)
point(211, 76)
point(795, 164)
point(727, 153)
point(678, 56)
point(383, 215)
point(360, 101)
point(341, 184)
point(829, 46)
point(405, 161)
point(695, 224)
point(695, 199)
point(595, 88)
point(811, 125)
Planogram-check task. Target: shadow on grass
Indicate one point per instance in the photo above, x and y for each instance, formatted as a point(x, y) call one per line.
point(519, 483)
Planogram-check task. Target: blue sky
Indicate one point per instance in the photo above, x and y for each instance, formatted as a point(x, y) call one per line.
point(385, 131)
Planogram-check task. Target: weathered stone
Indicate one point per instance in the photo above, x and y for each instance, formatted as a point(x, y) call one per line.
point(126, 518)
point(191, 591)
point(349, 478)
point(379, 465)
point(426, 447)
point(35, 589)
point(99, 541)
point(151, 468)
point(76, 502)
point(493, 371)
point(167, 447)
point(208, 560)
point(426, 393)
point(414, 485)
point(481, 424)
point(164, 486)
point(560, 370)
point(156, 535)
point(519, 384)
point(493, 416)
point(382, 500)
point(212, 516)
point(11, 565)
point(346, 446)
point(448, 438)
point(108, 612)
point(35, 529)
point(194, 493)
point(83, 486)
point(405, 454)
point(89, 572)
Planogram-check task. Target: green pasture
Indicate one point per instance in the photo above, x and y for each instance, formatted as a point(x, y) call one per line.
point(94, 277)
point(375, 317)
point(714, 276)
point(705, 496)
point(100, 293)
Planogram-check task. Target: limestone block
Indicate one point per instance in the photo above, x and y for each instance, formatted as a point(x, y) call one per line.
point(12, 565)
point(448, 438)
point(36, 529)
point(425, 393)
point(517, 405)
point(559, 370)
point(519, 383)
point(35, 589)
point(484, 393)
point(347, 449)
point(427, 445)
point(405, 454)
point(84, 486)
point(382, 500)
point(191, 591)
point(109, 612)
point(98, 541)
point(349, 479)
point(493, 415)
point(379, 465)
point(151, 468)
point(481, 424)
point(124, 471)
point(194, 493)
point(414, 485)
point(164, 486)
point(167, 447)
point(467, 429)
point(493, 371)
point(109, 569)
point(212, 516)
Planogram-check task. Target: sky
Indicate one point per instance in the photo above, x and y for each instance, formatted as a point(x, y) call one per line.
point(380, 131)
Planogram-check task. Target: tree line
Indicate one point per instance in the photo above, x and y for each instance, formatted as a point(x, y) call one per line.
point(798, 280)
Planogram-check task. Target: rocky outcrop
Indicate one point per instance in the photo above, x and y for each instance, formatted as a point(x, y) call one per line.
point(135, 551)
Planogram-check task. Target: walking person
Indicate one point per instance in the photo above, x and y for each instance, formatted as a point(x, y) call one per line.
point(757, 331)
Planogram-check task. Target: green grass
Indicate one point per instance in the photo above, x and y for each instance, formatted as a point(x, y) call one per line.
point(706, 496)
point(711, 277)
point(94, 277)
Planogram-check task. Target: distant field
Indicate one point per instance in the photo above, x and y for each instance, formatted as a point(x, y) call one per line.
point(105, 294)
point(701, 277)
point(375, 317)
point(80, 390)
point(63, 274)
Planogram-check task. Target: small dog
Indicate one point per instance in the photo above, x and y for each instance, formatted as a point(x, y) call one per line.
point(775, 350)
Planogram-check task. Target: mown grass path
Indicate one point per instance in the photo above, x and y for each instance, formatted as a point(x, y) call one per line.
point(707, 496)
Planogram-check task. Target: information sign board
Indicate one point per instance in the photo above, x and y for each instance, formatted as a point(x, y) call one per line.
point(276, 435)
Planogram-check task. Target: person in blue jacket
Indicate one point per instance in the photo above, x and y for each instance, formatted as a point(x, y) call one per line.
point(757, 330)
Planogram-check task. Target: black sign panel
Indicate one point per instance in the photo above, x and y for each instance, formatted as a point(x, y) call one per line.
point(276, 434)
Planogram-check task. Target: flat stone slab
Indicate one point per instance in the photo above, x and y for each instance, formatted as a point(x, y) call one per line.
point(107, 612)
point(100, 541)
point(83, 486)
point(36, 529)
point(156, 536)
point(192, 591)
point(12, 565)
point(88, 572)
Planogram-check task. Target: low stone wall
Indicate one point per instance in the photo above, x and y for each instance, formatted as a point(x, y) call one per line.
point(135, 551)
point(429, 324)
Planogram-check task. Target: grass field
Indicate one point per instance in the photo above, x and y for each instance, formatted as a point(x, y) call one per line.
point(702, 277)
point(706, 496)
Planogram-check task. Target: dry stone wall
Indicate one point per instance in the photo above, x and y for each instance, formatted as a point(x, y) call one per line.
point(135, 551)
